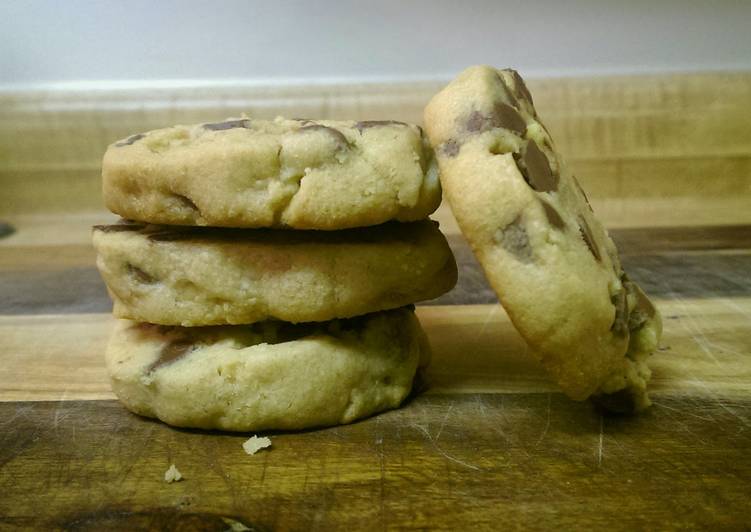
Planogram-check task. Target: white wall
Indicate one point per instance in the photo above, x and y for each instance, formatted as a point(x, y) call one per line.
point(45, 41)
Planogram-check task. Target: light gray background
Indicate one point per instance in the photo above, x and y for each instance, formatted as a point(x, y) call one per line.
point(43, 41)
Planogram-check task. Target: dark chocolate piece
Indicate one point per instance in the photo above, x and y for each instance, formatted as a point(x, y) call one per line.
point(515, 240)
point(586, 234)
point(475, 122)
point(139, 274)
point(535, 167)
point(366, 124)
point(186, 201)
point(578, 186)
point(620, 322)
point(506, 116)
point(228, 124)
point(508, 94)
point(503, 115)
point(450, 148)
point(520, 88)
point(172, 352)
point(130, 140)
point(552, 215)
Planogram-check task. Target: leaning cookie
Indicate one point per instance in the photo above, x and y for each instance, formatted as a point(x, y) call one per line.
point(206, 276)
point(299, 174)
point(269, 375)
point(551, 262)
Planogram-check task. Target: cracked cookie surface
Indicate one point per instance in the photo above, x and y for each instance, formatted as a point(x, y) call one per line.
point(550, 261)
point(299, 173)
point(269, 375)
point(192, 276)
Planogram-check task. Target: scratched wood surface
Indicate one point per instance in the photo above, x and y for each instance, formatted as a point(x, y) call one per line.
point(491, 443)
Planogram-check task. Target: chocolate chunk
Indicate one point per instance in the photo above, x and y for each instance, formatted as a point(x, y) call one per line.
point(586, 234)
point(475, 122)
point(620, 323)
point(366, 124)
point(139, 274)
point(186, 201)
point(578, 186)
point(506, 116)
point(228, 124)
point(508, 94)
point(130, 140)
point(338, 135)
point(515, 240)
point(172, 352)
point(643, 311)
point(552, 215)
point(450, 148)
point(503, 115)
point(118, 228)
point(520, 88)
point(534, 166)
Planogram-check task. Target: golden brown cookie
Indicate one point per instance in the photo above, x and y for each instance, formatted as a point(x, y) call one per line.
point(550, 261)
point(269, 375)
point(299, 174)
point(173, 275)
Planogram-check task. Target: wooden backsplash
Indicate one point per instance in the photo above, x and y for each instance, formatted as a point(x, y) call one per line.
point(673, 148)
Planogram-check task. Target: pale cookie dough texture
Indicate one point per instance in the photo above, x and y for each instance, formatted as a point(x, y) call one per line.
point(269, 375)
point(299, 174)
point(550, 261)
point(195, 276)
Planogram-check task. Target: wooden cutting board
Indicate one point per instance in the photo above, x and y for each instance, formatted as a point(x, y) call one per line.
point(492, 444)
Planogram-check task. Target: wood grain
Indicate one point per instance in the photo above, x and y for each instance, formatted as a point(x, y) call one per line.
point(443, 462)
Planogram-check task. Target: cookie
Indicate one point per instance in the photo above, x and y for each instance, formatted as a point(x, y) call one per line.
point(300, 174)
point(550, 261)
point(192, 276)
point(269, 375)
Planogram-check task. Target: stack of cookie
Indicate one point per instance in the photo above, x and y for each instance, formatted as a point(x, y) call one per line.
point(264, 271)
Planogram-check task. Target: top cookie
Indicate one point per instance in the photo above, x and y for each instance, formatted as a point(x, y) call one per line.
point(300, 174)
point(554, 267)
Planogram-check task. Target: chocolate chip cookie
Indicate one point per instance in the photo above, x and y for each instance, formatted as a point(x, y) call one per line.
point(554, 267)
point(300, 174)
point(269, 375)
point(194, 276)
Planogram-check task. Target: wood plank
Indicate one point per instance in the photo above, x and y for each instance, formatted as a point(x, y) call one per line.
point(705, 352)
point(444, 462)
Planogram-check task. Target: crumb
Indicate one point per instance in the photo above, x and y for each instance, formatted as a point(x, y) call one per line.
point(255, 444)
point(234, 526)
point(172, 475)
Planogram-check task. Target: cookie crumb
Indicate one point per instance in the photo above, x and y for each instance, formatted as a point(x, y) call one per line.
point(172, 475)
point(255, 444)
point(234, 526)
